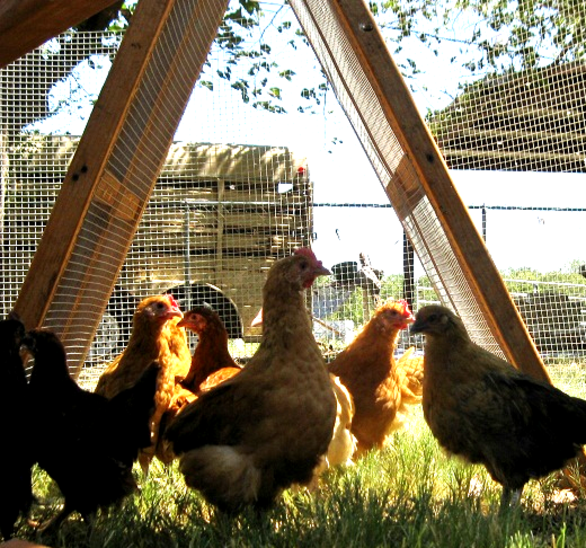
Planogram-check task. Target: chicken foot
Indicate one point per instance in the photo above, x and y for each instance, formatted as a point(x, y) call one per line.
point(510, 498)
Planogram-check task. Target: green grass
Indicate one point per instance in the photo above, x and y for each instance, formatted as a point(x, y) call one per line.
point(408, 495)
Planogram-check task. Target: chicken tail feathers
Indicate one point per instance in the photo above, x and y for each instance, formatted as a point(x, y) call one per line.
point(228, 479)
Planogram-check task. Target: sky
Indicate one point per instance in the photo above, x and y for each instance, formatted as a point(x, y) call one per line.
point(341, 173)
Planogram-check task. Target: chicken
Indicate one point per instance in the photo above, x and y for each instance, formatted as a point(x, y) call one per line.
point(410, 371)
point(265, 429)
point(481, 408)
point(211, 364)
point(368, 369)
point(155, 336)
point(85, 442)
point(343, 444)
point(16, 457)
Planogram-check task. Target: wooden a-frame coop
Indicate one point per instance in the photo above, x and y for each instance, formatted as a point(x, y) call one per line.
point(115, 168)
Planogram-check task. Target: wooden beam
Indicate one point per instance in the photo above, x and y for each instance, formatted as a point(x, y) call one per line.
point(474, 139)
point(116, 166)
point(26, 24)
point(511, 156)
point(88, 162)
point(424, 160)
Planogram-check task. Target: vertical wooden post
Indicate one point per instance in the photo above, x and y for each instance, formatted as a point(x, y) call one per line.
point(408, 272)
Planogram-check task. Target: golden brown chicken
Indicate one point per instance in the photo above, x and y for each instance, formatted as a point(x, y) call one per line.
point(368, 369)
point(478, 406)
point(211, 364)
point(410, 371)
point(155, 337)
point(343, 444)
point(244, 441)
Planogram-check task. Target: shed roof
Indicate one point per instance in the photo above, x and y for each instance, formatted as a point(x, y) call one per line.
point(533, 120)
point(37, 156)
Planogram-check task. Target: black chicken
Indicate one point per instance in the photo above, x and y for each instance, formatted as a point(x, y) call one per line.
point(85, 442)
point(15, 458)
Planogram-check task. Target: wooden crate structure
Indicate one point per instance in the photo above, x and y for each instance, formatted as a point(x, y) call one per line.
point(218, 217)
point(222, 214)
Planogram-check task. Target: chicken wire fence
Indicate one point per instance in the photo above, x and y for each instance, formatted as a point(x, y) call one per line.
point(229, 201)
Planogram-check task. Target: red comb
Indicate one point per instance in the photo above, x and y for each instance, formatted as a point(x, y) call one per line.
point(404, 306)
point(173, 301)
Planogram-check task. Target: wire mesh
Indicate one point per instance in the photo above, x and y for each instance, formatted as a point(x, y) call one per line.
point(360, 102)
point(531, 120)
point(222, 212)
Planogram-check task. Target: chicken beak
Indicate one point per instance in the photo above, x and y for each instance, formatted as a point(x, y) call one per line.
point(321, 270)
point(318, 270)
point(174, 313)
point(408, 321)
point(417, 327)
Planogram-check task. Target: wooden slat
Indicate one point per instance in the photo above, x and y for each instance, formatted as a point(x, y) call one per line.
point(252, 196)
point(400, 110)
point(87, 166)
point(512, 156)
point(203, 265)
point(233, 222)
point(26, 24)
point(166, 244)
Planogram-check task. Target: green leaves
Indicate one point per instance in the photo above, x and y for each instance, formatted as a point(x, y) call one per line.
point(495, 36)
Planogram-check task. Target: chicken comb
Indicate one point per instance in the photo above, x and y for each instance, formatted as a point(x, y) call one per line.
point(305, 252)
point(172, 300)
point(404, 307)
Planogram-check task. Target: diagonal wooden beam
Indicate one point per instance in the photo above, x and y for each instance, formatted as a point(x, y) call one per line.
point(26, 24)
point(427, 162)
point(115, 168)
point(413, 171)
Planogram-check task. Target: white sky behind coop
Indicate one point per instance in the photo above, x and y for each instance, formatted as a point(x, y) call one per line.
point(541, 240)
